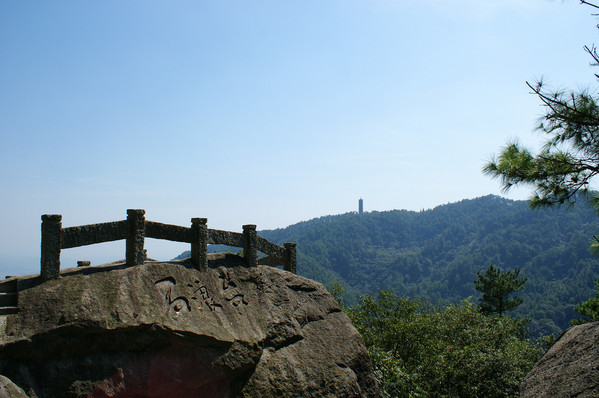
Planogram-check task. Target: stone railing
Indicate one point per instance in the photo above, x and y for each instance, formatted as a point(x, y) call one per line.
point(135, 229)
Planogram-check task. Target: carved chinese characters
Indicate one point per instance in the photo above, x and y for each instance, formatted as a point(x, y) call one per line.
point(230, 290)
point(183, 298)
point(175, 305)
point(207, 298)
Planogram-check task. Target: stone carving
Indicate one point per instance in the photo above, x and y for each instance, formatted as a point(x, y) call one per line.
point(178, 305)
point(197, 294)
point(208, 299)
point(231, 291)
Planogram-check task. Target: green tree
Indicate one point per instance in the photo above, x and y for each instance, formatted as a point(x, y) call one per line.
point(568, 160)
point(569, 157)
point(424, 350)
point(337, 291)
point(496, 287)
point(588, 308)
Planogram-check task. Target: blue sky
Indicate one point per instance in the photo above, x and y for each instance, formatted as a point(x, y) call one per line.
point(263, 112)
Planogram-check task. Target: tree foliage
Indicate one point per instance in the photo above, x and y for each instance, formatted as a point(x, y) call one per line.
point(562, 170)
point(568, 160)
point(496, 287)
point(589, 308)
point(424, 350)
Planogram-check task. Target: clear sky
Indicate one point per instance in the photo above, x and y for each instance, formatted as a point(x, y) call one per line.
point(267, 112)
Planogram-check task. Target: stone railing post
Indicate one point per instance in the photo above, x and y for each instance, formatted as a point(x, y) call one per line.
point(50, 259)
point(291, 262)
point(199, 242)
point(250, 252)
point(136, 232)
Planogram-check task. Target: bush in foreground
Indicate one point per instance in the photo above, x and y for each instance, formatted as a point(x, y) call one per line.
point(420, 349)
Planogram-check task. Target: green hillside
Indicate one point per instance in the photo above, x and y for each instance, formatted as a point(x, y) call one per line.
point(434, 254)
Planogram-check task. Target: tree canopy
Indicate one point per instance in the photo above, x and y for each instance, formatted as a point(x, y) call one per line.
point(434, 254)
point(423, 350)
point(496, 287)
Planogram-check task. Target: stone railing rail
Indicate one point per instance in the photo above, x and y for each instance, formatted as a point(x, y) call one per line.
point(136, 228)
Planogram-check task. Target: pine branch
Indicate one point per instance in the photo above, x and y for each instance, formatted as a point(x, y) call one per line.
point(588, 4)
point(593, 53)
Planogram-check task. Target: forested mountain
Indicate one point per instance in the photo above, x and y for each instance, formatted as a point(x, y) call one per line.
point(434, 254)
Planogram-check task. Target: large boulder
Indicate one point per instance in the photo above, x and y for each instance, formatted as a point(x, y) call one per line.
point(569, 369)
point(166, 329)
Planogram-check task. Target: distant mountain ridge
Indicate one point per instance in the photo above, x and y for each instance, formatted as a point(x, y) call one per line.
point(434, 254)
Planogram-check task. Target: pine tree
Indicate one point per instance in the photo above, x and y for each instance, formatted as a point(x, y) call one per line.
point(496, 286)
point(568, 161)
point(589, 308)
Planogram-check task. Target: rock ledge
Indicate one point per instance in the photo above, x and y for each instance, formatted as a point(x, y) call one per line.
point(569, 369)
point(166, 329)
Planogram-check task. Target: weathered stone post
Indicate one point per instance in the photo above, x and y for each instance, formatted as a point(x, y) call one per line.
point(136, 231)
point(250, 252)
point(199, 242)
point(290, 261)
point(50, 258)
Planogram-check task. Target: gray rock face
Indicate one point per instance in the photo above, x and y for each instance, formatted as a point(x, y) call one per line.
point(9, 390)
point(569, 369)
point(169, 330)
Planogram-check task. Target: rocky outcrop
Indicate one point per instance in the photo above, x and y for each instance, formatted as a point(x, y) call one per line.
point(569, 369)
point(169, 330)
